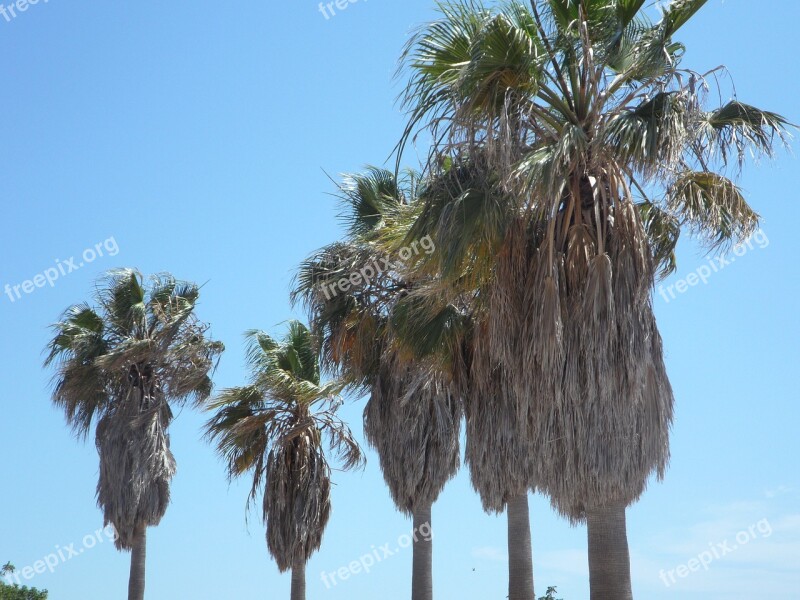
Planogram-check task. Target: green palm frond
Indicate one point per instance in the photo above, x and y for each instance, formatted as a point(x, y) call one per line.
point(627, 10)
point(679, 12)
point(369, 198)
point(604, 20)
point(650, 135)
point(430, 329)
point(465, 213)
point(713, 207)
point(663, 231)
point(122, 296)
point(241, 427)
point(737, 127)
point(646, 52)
point(436, 56)
point(505, 60)
point(546, 168)
point(80, 333)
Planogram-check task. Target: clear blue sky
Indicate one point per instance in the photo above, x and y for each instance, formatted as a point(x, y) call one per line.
point(198, 135)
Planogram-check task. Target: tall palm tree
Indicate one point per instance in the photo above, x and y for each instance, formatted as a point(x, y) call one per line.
point(123, 365)
point(588, 146)
point(273, 429)
point(412, 418)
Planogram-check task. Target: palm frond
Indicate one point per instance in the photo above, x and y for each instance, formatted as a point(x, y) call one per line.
point(368, 199)
point(663, 231)
point(713, 207)
point(652, 136)
point(679, 12)
point(737, 127)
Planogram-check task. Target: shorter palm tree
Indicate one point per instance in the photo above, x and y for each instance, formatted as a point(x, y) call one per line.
point(123, 365)
point(273, 428)
point(413, 417)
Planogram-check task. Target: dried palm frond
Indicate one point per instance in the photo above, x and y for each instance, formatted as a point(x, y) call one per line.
point(413, 420)
point(136, 465)
point(297, 501)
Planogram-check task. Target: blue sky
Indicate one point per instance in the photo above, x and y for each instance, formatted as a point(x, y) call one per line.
point(198, 136)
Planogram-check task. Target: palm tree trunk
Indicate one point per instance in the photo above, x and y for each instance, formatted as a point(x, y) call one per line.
point(422, 573)
point(299, 581)
point(520, 560)
point(609, 561)
point(138, 559)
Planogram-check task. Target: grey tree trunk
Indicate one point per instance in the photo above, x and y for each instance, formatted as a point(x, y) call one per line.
point(520, 559)
point(422, 573)
point(609, 561)
point(299, 581)
point(138, 560)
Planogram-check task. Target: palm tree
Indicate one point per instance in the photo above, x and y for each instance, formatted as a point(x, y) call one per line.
point(579, 147)
point(273, 428)
point(437, 320)
point(412, 418)
point(123, 365)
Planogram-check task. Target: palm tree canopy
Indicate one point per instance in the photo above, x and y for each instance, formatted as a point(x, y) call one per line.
point(121, 364)
point(274, 429)
point(553, 93)
point(352, 323)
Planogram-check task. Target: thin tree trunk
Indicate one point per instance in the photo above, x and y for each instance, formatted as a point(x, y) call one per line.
point(520, 560)
point(609, 561)
point(299, 581)
point(138, 560)
point(422, 573)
